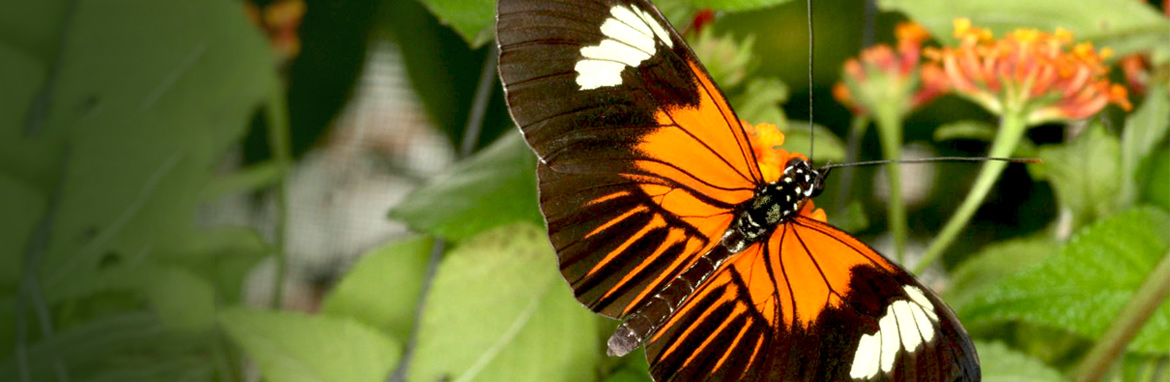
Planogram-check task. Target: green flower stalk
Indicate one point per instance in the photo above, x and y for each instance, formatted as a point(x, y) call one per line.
point(887, 84)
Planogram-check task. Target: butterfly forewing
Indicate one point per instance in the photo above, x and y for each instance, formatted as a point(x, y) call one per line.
point(641, 159)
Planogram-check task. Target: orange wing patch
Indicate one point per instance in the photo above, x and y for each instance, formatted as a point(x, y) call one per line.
point(706, 141)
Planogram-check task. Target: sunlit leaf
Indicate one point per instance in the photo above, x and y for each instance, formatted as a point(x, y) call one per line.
point(290, 346)
point(382, 289)
point(499, 310)
point(493, 188)
point(473, 19)
point(1083, 286)
point(1002, 364)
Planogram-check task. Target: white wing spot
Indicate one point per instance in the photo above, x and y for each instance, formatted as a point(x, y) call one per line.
point(630, 40)
point(905, 325)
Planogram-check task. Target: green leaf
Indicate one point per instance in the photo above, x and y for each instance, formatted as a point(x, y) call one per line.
point(291, 346)
point(760, 102)
point(1157, 191)
point(1126, 27)
point(149, 96)
point(246, 179)
point(1085, 173)
point(1145, 130)
point(473, 19)
point(183, 301)
point(995, 263)
point(729, 61)
point(1002, 364)
point(979, 131)
point(499, 310)
point(797, 138)
point(1083, 287)
point(493, 188)
point(382, 289)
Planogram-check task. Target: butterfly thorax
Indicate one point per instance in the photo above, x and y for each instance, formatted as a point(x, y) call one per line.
point(774, 203)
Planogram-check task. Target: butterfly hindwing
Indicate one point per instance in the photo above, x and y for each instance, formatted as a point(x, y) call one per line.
point(812, 304)
point(641, 158)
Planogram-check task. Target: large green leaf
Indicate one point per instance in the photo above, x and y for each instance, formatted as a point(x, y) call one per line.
point(1084, 286)
point(382, 289)
point(1085, 173)
point(995, 263)
point(1144, 131)
point(499, 310)
point(291, 346)
point(147, 97)
point(493, 188)
point(1126, 27)
point(1002, 364)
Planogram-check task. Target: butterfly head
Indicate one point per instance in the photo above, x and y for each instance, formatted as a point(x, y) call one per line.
point(803, 179)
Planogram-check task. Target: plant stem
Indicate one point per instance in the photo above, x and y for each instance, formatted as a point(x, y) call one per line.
point(483, 94)
point(29, 290)
point(280, 143)
point(889, 123)
point(1136, 312)
point(1011, 130)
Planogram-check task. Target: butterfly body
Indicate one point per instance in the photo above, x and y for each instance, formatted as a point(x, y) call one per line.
point(661, 215)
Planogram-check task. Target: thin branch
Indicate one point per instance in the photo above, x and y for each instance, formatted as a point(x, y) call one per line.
point(30, 287)
point(471, 132)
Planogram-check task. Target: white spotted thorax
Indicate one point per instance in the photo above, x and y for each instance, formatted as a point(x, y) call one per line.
point(905, 325)
point(774, 203)
point(631, 36)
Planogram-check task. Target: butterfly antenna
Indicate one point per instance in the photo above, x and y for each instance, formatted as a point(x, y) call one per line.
point(811, 131)
point(932, 160)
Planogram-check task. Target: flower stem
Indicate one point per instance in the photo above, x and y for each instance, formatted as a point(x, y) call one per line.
point(1136, 312)
point(889, 123)
point(1011, 129)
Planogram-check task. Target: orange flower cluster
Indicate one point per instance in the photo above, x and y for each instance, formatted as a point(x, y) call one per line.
point(1042, 75)
point(881, 72)
point(766, 139)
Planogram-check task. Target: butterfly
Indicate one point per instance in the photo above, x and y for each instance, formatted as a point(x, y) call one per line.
point(661, 217)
